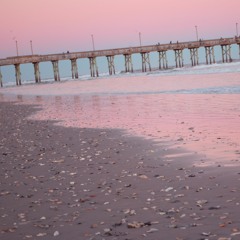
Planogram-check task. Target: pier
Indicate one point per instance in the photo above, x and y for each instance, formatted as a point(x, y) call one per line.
point(178, 48)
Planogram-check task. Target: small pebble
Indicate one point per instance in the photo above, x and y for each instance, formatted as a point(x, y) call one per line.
point(56, 233)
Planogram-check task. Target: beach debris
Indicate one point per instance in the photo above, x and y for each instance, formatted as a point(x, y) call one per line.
point(28, 236)
point(8, 230)
point(235, 234)
point(142, 176)
point(4, 193)
point(130, 212)
point(135, 224)
point(56, 233)
point(191, 175)
point(41, 234)
point(151, 230)
point(206, 234)
point(181, 168)
point(168, 189)
point(58, 161)
point(214, 208)
point(107, 231)
point(200, 203)
point(180, 139)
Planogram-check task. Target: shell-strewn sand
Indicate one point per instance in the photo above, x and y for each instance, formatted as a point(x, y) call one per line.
point(101, 184)
point(130, 164)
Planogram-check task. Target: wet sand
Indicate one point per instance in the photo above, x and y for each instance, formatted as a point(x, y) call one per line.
point(149, 106)
point(134, 166)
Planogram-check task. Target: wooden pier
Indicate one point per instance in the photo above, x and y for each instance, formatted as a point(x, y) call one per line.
point(162, 49)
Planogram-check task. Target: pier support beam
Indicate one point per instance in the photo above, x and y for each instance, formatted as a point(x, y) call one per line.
point(163, 63)
point(18, 74)
point(146, 65)
point(111, 66)
point(178, 58)
point(37, 72)
point(194, 56)
point(93, 67)
point(74, 68)
point(1, 81)
point(239, 50)
point(226, 53)
point(56, 71)
point(210, 57)
point(128, 63)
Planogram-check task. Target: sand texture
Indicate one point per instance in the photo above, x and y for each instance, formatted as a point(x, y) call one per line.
point(101, 184)
point(120, 166)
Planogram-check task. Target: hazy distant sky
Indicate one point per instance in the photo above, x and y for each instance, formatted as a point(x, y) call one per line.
point(60, 25)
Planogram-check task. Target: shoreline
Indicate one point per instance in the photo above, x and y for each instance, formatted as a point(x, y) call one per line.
point(200, 123)
point(171, 71)
point(124, 85)
point(100, 183)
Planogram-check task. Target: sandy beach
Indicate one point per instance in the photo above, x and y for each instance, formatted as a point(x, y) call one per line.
point(121, 158)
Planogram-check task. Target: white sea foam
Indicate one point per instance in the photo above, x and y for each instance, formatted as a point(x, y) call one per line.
point(201, 69)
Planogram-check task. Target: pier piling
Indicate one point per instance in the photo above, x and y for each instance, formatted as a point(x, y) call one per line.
point(56, 71)
point(111, 66)
point(37, 72)
point(1, 81)
point(146, 65)
point(210, 57)
point(239, 50)
point(18, 74)
point(178, 58)
point(226, 53)
point(93, 67)
point(194, 56)
point(128, 63)
point(74, 68)
point(163, 63)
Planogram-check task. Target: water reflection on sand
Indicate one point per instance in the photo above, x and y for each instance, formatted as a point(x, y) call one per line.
point(208, 124)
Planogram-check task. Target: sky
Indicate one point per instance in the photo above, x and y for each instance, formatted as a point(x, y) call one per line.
point(56, 26)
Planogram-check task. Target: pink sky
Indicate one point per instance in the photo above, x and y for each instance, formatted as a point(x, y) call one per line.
point(60, 25)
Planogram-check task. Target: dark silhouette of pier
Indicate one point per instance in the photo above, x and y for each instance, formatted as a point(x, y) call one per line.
point(162, 49)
